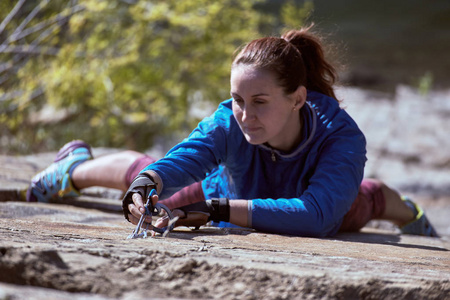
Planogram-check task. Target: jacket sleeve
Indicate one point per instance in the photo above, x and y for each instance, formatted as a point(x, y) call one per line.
point(191, 160)
point(330, 193)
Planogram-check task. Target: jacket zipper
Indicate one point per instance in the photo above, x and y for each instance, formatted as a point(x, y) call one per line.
point(274, 158)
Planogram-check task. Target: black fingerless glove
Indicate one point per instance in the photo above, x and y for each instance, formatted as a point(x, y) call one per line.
point(217, 208)
point(142, 184)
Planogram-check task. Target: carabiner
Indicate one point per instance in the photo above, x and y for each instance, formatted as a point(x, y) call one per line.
point(156, 210)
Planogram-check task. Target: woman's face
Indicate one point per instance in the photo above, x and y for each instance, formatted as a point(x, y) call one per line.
point(264, 112)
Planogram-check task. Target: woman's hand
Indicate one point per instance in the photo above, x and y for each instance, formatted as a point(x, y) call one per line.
point(133, 201)
point(199, 213)
point(189, 219)
point(137, 209)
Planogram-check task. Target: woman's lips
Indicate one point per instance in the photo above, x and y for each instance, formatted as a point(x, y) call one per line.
point(251, 129)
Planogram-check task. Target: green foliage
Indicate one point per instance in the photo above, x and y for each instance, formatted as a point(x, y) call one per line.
point(425, 84)
point(293, 15)
point(118, 73)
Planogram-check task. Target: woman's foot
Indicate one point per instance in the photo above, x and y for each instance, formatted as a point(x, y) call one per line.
point(55, 181)
point(420, 225)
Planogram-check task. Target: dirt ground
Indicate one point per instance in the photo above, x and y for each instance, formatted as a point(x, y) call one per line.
point(77, 249)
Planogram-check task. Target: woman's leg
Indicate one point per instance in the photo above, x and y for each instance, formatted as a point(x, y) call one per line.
point(396, 209)
point(376, 200)
point(105, 171)
point(369, 204)
point(74, 168)
point(406, 214)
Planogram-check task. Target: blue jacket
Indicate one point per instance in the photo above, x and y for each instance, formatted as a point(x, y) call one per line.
point(306, 192)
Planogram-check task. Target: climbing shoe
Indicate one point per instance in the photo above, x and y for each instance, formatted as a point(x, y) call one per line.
point(55, 181)
point(420, 225)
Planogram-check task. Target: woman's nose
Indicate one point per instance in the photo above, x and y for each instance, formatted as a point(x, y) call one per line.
point(247, 113)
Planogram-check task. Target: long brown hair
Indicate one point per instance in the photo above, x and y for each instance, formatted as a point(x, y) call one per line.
point(297, 58)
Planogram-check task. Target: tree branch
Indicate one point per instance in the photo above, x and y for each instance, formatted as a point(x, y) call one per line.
point(56, 19)
point(11, 15)
point(25, 22)
point(29, 50)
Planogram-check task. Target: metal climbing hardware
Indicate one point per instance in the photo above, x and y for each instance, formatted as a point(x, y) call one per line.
point(156, 210)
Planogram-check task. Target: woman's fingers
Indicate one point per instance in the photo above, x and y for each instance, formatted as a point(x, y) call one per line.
point(193, 219)
point(137, 208)
point(155, 199)
point(164, 221)
point(134, 211)
point(139, 204)
point(135, 220)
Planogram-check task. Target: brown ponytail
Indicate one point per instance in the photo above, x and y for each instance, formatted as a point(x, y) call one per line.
point(296, 59)
point(320, 75)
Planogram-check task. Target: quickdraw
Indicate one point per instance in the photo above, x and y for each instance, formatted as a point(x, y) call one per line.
point(156, 211)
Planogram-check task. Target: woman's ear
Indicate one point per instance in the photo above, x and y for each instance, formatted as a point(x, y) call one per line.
point(300, 97)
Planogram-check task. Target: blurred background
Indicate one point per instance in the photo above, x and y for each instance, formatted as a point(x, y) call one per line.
point(137, 75)
point(387, 43)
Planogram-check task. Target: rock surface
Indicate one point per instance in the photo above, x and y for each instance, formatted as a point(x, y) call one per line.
point(77, 249)
point(56, 247)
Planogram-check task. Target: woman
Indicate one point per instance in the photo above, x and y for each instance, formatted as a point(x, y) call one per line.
point(281, 156)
